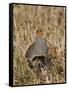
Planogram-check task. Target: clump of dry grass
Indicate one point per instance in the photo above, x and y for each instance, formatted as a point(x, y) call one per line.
point(27, 19)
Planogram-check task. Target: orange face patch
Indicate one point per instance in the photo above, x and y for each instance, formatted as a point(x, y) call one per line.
point(39, 33)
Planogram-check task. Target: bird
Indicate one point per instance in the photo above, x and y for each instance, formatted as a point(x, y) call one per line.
point(38, 50)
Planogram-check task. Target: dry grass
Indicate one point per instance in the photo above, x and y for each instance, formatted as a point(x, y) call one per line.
point(27, 19)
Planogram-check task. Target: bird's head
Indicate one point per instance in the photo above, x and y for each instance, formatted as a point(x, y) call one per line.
point(39, 32)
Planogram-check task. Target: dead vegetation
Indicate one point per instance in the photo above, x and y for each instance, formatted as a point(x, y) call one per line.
point(26, 20)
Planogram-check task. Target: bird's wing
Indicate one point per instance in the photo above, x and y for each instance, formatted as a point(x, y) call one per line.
point(29, 51)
